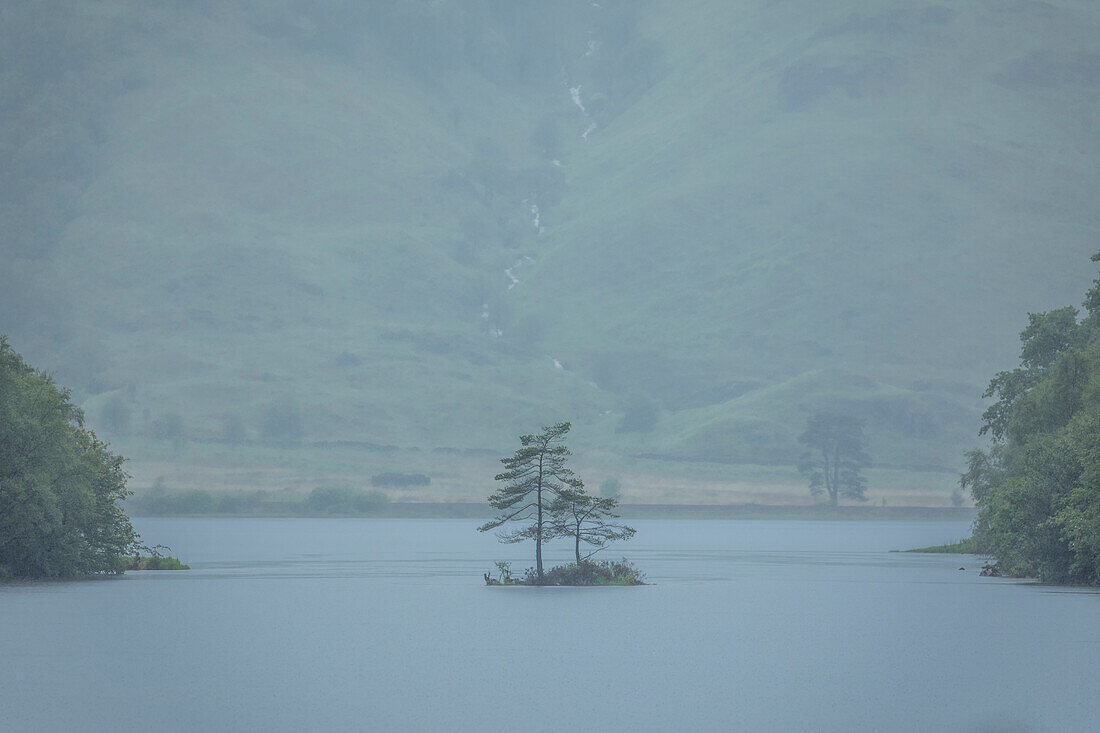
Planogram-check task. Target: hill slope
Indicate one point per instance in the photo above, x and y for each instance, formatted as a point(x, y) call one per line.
point(683, 227)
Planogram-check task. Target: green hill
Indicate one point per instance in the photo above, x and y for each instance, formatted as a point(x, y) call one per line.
point(247, 233)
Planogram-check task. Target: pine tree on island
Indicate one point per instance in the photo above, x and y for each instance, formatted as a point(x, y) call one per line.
point(583, 517)
point(535, 478)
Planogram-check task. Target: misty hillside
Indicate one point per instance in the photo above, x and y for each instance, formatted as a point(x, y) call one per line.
point(435, 225)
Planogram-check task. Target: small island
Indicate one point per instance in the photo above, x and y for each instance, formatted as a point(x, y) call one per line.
point(547, 500)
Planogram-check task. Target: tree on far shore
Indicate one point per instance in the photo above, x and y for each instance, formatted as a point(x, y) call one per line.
point(835, 457)
point(536, 478)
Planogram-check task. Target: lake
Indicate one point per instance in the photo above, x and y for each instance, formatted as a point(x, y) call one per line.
point(386, 624)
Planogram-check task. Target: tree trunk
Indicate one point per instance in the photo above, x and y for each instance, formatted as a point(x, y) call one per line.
point(538, 528)
point(538, 539)
point(578, 546)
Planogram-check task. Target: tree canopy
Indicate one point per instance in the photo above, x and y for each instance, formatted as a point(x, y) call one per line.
point(1037, 487)
point(583, 517)
point(59, 484)
point(835, 457)
point(535, 478)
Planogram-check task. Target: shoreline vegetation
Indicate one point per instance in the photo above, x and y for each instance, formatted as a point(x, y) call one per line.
point(1037, 483)
point(62, 487)
point(215, 506)
point(968, 546)
point(155, 562)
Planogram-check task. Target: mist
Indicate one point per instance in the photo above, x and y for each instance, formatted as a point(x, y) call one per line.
point(396, 218)
point(301, 261)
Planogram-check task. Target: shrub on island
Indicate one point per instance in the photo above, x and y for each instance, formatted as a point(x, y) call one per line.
point(585, 573)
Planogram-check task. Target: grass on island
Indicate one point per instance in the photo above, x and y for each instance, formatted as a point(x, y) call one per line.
point(608, 572)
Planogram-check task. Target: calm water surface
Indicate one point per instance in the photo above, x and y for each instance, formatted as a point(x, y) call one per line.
point(362, 624)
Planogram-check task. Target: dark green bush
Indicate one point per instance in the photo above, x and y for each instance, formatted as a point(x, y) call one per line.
point(607, 572)
point(156, 562)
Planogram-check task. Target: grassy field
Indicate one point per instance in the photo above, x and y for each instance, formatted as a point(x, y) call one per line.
point(290, 472)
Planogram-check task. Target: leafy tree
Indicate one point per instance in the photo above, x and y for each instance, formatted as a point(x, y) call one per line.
point(1046, 336)
point(535, 478)
point(1037, 487)
point(835, 457)
point(59, 484)
point(583, 517)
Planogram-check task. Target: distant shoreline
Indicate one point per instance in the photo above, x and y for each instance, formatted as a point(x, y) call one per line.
point(477, 510)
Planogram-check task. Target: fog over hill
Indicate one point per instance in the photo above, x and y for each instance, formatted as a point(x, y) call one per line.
point(242, 232)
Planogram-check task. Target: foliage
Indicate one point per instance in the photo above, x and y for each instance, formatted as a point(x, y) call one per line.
point(535, 478)
point(836, 456)
point(543, 493)
point(584, 517)
point(608, 572)
point(60, 486)
point(154, 562)
point(1038, 486)
point(504, 572)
